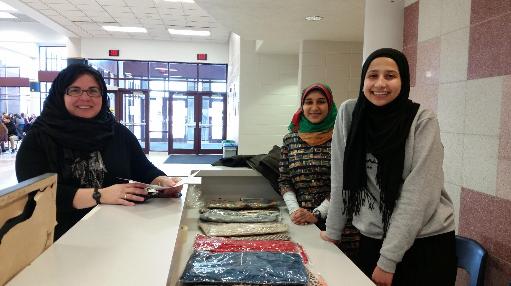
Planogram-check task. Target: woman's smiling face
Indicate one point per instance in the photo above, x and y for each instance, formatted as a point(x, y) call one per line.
point(84, 106)
point(382, 82)
point(315, 106)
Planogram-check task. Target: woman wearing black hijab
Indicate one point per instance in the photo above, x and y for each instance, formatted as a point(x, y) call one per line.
point(387, 154)
point(77, 137)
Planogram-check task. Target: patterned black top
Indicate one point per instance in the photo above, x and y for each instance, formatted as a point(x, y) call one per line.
point(305, 170)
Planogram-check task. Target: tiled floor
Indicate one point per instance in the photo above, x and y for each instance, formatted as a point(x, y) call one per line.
point(8, 173)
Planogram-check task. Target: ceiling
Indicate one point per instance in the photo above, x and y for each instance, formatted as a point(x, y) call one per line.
point(278, 25)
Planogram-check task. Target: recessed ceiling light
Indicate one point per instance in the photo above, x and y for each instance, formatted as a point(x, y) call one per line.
point(125, 29)
point(5, 15)
point(314, 18)
point(5, 7)
point(182, 1)
point(189, 32)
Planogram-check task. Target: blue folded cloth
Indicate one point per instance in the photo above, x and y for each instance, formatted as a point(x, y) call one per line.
point(248, 268)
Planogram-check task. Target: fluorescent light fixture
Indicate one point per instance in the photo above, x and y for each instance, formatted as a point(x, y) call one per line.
point(182, 1)
point(5, 7)
point(314, 18)
point(125, 29)
point(5, 15)
point(189, 32)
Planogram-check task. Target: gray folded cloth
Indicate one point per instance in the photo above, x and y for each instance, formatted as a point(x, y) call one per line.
point(220, 215)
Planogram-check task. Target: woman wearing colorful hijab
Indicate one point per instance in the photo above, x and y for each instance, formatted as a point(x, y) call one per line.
point(305, 162)
point(77, 137)
point(387, 159)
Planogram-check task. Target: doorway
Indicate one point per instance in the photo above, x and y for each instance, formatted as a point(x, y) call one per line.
point(198, 122)
point(176, 122)
point(131, 110)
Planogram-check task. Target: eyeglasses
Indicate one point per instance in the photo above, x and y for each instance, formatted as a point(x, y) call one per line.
point(75, 91)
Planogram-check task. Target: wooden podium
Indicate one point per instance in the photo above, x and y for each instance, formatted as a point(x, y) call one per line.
point(27, 222)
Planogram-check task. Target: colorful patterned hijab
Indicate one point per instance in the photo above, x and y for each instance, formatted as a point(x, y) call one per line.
point(381, 131)
point(315, 133)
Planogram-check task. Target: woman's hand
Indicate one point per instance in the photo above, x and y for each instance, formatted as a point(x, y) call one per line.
point(170, 182)
point(302, 216)
point(381, 277)
point(123, 194)
point(325, 237)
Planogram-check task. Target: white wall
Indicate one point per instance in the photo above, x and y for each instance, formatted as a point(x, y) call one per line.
point(29, 32)
point(233, 83)
point(268, 98)
point(154, 50)
point(337, 64)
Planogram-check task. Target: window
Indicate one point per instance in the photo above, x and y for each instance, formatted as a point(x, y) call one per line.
point(52, 58)
point(163, 76)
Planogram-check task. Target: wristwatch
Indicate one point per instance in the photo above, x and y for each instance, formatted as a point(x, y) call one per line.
point(96, 195)
point(317, 214)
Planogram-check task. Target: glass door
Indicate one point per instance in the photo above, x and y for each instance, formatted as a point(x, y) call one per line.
point(159, 121)
point(212, 122)
point(132, 111)
point(183, 125)
point(197, 122)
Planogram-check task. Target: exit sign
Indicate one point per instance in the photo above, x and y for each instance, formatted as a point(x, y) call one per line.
point(202, 57)
point(113, 53)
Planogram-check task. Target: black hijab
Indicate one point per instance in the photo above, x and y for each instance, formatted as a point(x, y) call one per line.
point(75, 133)
point(381, 131)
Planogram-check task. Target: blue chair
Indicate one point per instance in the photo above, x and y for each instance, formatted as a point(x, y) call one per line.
point(471, 257)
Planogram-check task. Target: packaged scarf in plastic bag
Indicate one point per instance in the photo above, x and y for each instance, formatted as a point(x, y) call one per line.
point(274, 236)
point(242, 204)
point(218, 244)
point(241, 229)
point(247, 268)
point(221, 215)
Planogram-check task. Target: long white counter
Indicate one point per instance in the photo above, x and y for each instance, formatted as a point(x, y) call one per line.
point(150, 243)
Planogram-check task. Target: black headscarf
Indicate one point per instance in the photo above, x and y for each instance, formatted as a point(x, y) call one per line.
point(381, 131)
point(75, 133)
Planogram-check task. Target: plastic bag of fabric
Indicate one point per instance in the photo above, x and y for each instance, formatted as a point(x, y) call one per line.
point(241, 229)
point(220, 215)
point(247, 268)
point(274, 236)
point(219, 244)
point(242, 204)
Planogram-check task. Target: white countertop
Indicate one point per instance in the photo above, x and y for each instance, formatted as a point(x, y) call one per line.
point(112, 245)
point(149, 244)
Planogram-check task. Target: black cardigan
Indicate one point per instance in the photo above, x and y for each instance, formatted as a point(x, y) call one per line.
point(123, 157)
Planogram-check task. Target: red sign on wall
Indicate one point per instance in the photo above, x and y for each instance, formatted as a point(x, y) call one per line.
point(113, 53)
point(202, 57)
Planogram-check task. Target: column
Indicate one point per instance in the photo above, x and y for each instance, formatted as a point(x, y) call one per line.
point(74, 51)
point(383, 25)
